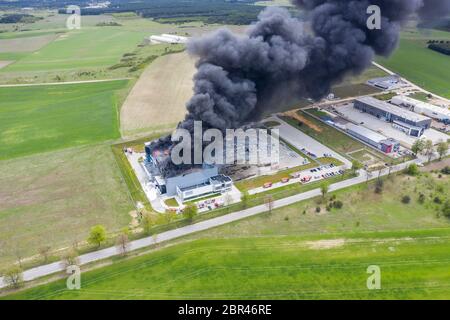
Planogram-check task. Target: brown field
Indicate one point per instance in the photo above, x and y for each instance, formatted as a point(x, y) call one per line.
point(157, 101)
point(295, 115)
point(26, 44)
point(5, 63)
point(55, 198)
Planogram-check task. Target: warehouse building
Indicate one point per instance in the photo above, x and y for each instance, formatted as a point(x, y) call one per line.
point(373, 138)
point(192, 183)
point(429, 110)
point(168, 38)
point(407, 121)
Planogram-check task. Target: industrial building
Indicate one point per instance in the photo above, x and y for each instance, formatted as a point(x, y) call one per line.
point(429, 110)
point(193, 183)
point(411, 123)
point(386, 83)
point(376, 140)
point(168, 38)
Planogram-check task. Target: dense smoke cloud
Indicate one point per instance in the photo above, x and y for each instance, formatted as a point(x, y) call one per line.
point(240, 77)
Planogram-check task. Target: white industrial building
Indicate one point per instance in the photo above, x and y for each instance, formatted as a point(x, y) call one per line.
point(373, 138)
point(168, 38)
point(429, 110)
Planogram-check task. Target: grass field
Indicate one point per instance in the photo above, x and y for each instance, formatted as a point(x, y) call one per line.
point(422, 66)
point(329, 136)
point(295, 253)
point(42, 118)
point(157, 101)
point(93, 47)
point(56, 197)
point(272, 268)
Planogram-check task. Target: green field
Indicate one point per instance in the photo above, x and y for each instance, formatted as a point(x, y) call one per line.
point(295, 253)
point(272, 268)
point(422, 66)
point(42, 118)
point(94, 47)
point(54, 198)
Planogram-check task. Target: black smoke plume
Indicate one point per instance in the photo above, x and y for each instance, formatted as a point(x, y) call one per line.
point(241, 77)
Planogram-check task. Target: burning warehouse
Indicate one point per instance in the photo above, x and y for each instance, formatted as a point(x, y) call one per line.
point(191, 183)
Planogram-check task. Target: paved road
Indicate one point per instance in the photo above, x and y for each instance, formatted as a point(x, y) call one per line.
point(301, 140)
point(51, 268)
point(58, 83)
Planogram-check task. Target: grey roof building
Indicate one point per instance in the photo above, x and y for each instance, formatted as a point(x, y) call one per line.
point(413, 123)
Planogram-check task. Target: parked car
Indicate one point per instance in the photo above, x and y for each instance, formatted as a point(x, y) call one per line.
point(267, 185)
point(285, 180)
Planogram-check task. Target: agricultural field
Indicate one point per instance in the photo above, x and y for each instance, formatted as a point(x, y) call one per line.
point(422, 66)
point(158, 99)
point(332, 249)
point(42, 118)
point(54, 198)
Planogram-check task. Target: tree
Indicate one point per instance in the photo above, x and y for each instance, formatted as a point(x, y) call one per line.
point(269, 203)
point(190, 211)
point(13, 277)
point(69, 258)
point(44, 252)
point(442, 149)
point(428, 149)
point(324, 188)
point(418, 146)
point(356, 165)
point(97, 235)
point(123, 241)
point(147, 222)
point(245, 198)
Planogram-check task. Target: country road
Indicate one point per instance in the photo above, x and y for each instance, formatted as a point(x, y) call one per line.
point(51, 268)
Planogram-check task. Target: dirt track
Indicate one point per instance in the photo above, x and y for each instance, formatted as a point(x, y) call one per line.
point(159, 96)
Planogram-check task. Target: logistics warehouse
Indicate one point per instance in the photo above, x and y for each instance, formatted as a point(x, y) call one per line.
point(407, 121)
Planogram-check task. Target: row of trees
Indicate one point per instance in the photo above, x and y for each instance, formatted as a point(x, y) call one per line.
point(426, 148)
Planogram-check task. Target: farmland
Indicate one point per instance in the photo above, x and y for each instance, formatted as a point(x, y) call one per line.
point(43, 118)
point(422, 66)
point(158, 99)
point(54, 198)
point(408, 241)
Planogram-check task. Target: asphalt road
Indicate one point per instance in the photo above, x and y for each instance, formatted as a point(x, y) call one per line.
point(51, 268)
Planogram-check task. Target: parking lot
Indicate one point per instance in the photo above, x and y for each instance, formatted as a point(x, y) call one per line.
point(307, 144)
point(304, 177)
point(385, 128)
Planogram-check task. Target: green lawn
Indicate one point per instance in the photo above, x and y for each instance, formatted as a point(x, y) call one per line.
point(329, 136)
point(42, 118)
point(88, 47)
point(422, 66)
point(271, 268)
point(54, 198)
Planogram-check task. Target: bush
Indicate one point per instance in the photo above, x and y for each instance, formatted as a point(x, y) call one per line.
point(329, 207)
point(318, 209)
point(412, 170)
point(421, 198)
point(338, 204)
point(446, 209)
point(286, 218)
point(379, 186)
point(446, 170)
point(437, 200)
point(406, 199)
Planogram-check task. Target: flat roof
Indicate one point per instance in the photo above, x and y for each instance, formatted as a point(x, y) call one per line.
point(387, 107)
point(370, 134)
point(421, 104)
